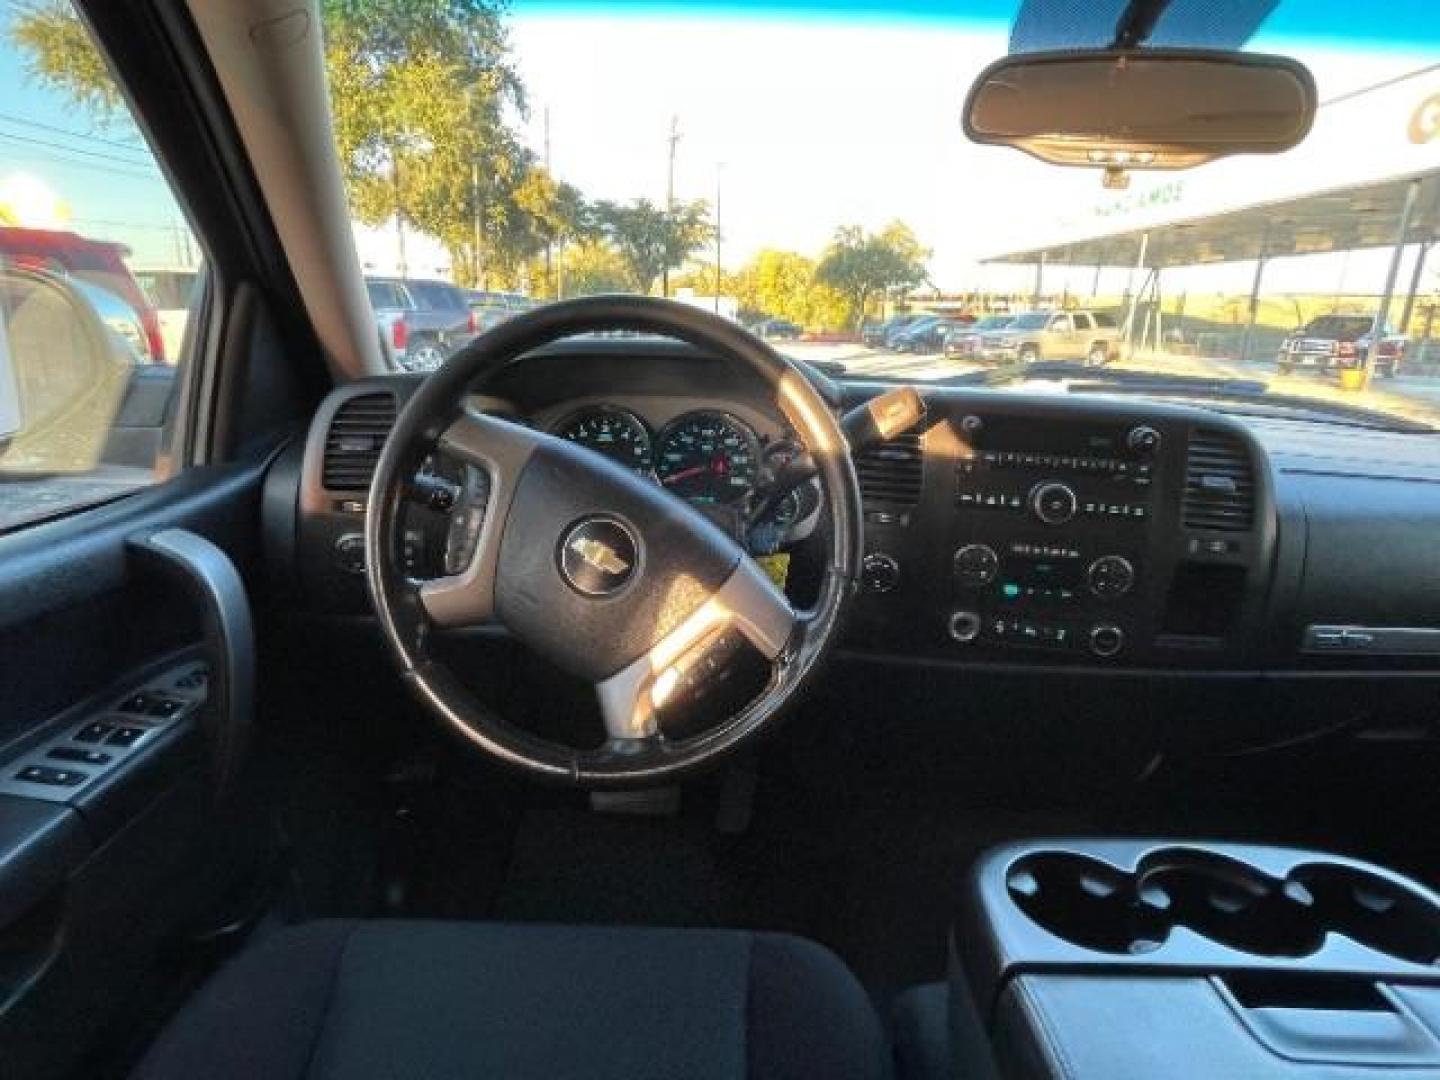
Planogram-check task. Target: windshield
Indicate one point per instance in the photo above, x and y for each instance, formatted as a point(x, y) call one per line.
point(805, 171)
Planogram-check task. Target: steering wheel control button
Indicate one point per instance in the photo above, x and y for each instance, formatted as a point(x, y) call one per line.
point(1053, 503)
point(975, 566)
point(1106, 639)
point(1110, 577)
point(965, 626)
point(350, 553)
point(879, 573)
point(598, 556)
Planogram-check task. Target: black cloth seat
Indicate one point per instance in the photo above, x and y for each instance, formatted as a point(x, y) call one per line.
point(371, 999)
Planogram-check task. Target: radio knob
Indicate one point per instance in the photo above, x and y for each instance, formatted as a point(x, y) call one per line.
point(879, 573)
point(1053, 503)
point(964, 626)
point(1106, 639)
point(975, 565)
point(1110, 576)
point(1143, 440)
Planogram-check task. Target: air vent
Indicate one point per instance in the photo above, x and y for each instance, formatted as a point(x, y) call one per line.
point(352, 446)
point(1219, 483)
point(892, 472)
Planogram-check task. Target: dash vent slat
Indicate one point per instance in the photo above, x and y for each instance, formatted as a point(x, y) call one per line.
point(1219, 483)
point(352, 445)
point(893, 472)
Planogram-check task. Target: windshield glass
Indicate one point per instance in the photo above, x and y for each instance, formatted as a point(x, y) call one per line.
point(806, 167)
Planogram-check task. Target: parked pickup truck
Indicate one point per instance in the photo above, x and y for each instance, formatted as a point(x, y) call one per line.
point(421, 322)
point(1331, 342)
point(1091, 336)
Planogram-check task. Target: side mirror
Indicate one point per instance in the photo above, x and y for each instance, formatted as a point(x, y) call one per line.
point(1141, 108)
point(63, 375)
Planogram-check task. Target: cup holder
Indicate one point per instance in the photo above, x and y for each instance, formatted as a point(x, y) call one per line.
point(1373, 911)
point(1232, 903)
point(1085, 902)
point(1094, 905)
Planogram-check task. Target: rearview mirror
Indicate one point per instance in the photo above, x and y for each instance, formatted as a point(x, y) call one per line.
point(1141, 109)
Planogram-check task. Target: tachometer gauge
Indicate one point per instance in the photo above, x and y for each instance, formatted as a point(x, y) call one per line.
point(708, 458)
point(619, 435)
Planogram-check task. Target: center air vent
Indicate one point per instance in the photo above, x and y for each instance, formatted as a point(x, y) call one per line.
point(352, 446)
point(1219, 483)
point(892, 472)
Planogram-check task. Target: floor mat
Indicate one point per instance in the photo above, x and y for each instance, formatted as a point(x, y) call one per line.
point(876, 885)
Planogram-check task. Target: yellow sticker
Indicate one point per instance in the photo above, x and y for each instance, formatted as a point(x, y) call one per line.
point(777, 566)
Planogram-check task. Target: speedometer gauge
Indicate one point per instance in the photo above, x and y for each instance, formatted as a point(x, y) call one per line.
point(617, 434)
point(708, 458)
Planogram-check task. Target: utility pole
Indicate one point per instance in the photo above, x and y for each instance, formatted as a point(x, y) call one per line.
point(550, 280)
point(674, 141)
point(719, 172)
point(399, 213)
point(475, 222)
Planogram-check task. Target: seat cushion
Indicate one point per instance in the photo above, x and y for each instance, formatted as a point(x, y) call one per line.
point(389, 999)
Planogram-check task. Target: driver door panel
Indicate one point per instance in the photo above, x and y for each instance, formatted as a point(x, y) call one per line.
point(107, 866)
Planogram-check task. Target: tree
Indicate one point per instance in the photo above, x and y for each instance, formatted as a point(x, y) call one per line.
point(593, 266)
point(653, 240)
point(423, 96)
point(62, 57)
point(860, 265)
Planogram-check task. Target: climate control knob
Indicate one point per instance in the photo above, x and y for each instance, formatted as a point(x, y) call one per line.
point(879, 573)
point(1053, 503)
point(1106, 639)
point(975, 566)
point(964, 626)
point(1110, 576)
point(1143, 440)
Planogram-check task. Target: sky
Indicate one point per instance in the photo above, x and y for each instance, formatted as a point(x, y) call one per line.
point(804, 120)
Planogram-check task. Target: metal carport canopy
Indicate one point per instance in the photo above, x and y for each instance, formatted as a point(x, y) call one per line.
point(1345, 219)
point(1342, 189)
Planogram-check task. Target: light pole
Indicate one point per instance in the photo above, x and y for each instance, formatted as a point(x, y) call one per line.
point(674, 140)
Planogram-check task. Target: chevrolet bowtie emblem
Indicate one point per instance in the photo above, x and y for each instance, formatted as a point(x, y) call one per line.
point(599, 554)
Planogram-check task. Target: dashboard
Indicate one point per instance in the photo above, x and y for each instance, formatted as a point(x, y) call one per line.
point(1013, 528)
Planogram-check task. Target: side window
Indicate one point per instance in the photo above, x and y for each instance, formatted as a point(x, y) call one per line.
point(1061, 324)
point(385, 295)
point(98, 276)
point(1082, 320)
point(1104, 321)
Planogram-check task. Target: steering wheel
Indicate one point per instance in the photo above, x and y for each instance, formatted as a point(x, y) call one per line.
point(606, 575)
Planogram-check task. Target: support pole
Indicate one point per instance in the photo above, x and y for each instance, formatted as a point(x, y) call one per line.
point(1095, 284)
point(1377, 328)
point(1132, 295)
point(1249, 334)
point(1409, 309)
point(1039, 279)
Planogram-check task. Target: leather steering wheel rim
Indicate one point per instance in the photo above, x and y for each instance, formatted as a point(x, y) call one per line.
point(535, 481)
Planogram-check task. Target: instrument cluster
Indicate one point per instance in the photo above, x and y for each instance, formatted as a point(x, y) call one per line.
point(708, 457)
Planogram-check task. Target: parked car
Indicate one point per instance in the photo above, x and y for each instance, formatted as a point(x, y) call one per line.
point(1332, 342)
point(877, 334)
point(96, 262)
point(927, 335)
point(778, 329)
point(899, 325)
point(421, 321)
point(965, 343)
point(170, 291)
point(1091, 336)
point(493, 308)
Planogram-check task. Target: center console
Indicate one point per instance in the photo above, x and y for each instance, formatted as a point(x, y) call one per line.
point(1122, 959)
point(1062, 530)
